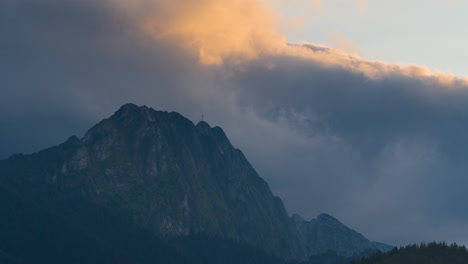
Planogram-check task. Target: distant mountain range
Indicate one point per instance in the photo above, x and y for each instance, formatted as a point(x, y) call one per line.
point(147, 185)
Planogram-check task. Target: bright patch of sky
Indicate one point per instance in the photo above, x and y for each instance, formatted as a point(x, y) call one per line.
point(432, 33)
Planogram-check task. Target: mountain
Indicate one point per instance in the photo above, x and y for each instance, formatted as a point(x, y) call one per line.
point(432, 253)
point(382, 247)
point(155, 180)
point(327, 233)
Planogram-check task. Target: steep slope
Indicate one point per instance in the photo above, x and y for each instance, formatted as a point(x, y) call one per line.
point(147, 177)
point(326, 233)
point(382, 247)
point(168, 176)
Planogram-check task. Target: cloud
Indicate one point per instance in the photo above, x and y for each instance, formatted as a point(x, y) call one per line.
point(379, 145)
point(338, 41)
point(317, 4)
point(215, 30)
point(361, 5)
point(374, 147)
point(239, 31)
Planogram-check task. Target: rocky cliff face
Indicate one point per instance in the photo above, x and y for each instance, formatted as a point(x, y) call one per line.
point(172, 178)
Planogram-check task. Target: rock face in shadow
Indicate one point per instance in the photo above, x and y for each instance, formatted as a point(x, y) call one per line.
point(164, 176)
point(171, 177)
point(326, 233)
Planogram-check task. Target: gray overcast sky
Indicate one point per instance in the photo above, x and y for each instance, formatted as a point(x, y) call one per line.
point(383, 147)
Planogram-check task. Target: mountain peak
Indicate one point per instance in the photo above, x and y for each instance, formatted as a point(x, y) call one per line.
point(327, 218)
point(327, 233)
point(297, 218)
point(172, 178)
point(72, 140)
point(176, 179)
point(129, 106)
point(203, 126)
point(131, 111)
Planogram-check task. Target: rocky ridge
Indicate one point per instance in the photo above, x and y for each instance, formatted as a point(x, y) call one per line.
point(174, 179)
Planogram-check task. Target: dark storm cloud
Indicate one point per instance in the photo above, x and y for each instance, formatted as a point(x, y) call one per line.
point(390, 154)
point(67, 64)
point(36, 57)
point(383, 152)
point(364, 111)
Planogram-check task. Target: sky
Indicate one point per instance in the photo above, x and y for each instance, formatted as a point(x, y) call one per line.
point(337, 104)
point(406, 32)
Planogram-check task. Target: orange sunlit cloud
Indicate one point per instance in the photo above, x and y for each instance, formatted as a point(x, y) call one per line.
point(361, 5)
point(216, 30)
point(317, 3)
point(236, 31)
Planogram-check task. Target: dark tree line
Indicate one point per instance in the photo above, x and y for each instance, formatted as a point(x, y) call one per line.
point(431, 253)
